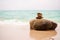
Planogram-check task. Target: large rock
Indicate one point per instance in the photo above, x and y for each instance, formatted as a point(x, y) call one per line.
point(31, 24)
point(42, 24)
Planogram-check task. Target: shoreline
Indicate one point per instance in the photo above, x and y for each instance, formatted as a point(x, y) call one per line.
point(17, 30)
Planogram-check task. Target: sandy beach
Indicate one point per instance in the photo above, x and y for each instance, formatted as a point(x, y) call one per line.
point(12, 30)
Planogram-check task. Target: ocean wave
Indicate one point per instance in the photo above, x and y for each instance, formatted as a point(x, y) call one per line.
point(14, 21)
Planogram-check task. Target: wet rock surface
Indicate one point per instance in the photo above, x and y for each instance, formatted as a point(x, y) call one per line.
point(42, 24)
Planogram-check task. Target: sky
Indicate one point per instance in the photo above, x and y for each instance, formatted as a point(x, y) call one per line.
point(29, 4)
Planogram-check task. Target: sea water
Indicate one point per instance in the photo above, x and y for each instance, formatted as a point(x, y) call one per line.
point(27, 15)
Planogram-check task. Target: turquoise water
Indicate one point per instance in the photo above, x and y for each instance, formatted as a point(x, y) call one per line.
point(26, 15)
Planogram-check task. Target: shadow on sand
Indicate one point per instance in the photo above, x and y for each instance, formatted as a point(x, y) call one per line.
point(42, 35)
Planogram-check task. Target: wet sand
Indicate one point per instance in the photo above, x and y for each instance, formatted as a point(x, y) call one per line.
point(42, 35)
point(18, 31)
